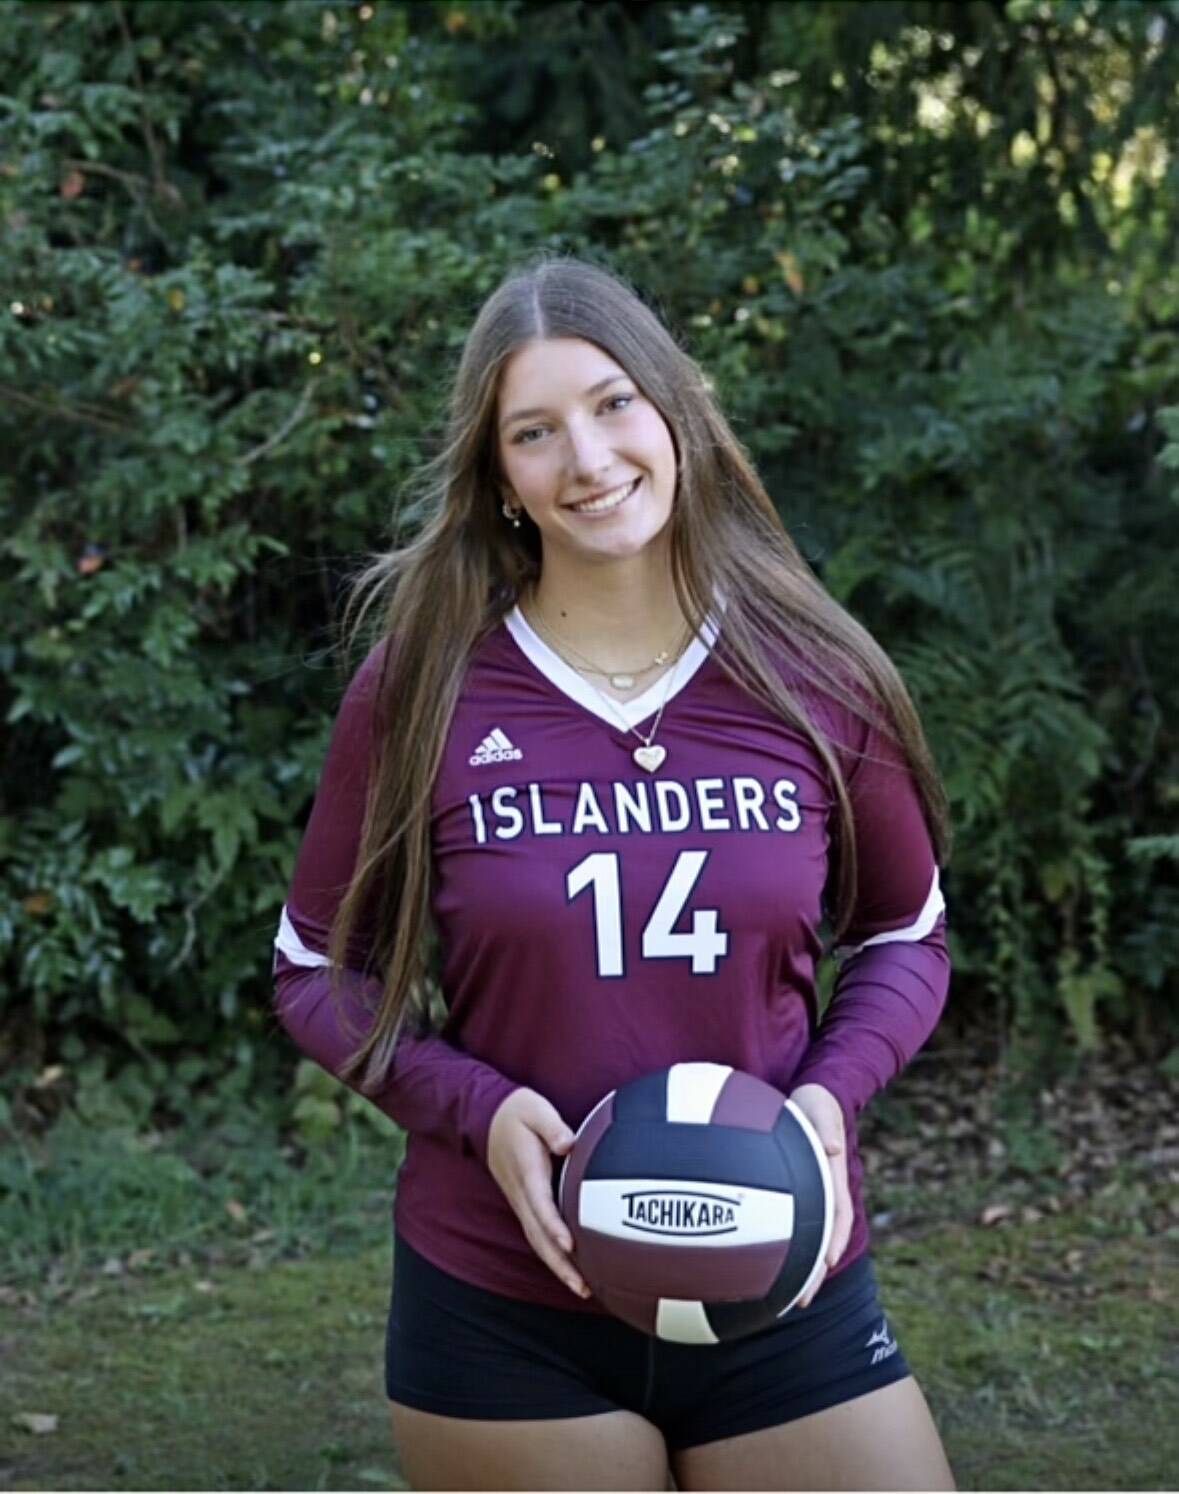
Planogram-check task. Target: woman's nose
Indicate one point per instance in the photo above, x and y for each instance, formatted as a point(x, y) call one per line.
point(589, 455)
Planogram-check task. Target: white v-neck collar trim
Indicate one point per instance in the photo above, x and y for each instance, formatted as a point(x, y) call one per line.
point(577, 688)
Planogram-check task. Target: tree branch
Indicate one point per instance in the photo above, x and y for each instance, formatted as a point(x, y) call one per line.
point(159, 178)
point(284, 429)
point(78, 414)
point(129, 179)
point(1091, 227)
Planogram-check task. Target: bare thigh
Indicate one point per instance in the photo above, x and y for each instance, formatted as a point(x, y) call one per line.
point(616, 1450)
point(883, 1440)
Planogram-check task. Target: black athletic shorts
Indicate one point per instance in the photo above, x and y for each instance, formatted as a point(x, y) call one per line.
point(458, 1350)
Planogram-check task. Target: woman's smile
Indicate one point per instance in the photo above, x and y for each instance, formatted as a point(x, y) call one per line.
point(607, 502)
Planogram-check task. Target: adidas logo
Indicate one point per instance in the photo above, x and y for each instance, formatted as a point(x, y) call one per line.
point(494, 748)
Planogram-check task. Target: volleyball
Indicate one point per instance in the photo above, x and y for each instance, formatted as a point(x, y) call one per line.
point(700, 1203)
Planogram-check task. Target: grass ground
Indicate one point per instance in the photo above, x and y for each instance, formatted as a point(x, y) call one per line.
point(226, 1378)
point(216, 1321)
point(1050, 1353)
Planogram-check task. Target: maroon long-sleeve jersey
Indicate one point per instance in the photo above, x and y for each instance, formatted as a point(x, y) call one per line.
point(598, 920)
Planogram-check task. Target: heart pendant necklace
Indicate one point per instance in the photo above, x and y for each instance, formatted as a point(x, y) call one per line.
point(650, 756)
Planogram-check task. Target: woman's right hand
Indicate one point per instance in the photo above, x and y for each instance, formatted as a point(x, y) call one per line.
point(525, 1133)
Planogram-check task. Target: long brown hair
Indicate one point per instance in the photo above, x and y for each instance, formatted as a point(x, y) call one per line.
point(466, 567)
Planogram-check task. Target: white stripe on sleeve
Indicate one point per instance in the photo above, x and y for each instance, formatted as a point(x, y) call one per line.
point(287, 942)
point(912, 933)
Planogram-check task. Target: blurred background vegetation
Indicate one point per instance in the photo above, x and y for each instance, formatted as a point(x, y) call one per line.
point(926, 251)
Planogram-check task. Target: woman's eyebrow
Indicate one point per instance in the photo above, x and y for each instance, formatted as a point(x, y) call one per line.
point(593, 389)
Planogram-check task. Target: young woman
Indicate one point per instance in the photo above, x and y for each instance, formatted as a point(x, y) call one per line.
point(618, 753)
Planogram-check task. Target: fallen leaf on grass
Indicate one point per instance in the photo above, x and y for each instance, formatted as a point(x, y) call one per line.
point(18, 1297)
point(204, 1286)
point(35, 1421)
point(995, 1214)
point(235, 1210)
point(140, 1258)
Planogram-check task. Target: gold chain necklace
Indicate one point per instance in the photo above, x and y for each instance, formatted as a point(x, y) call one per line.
point(650, 756)
point(621, 679)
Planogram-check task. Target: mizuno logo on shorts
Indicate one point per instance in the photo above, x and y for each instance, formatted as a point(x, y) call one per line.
point(494, 748)
point(882, 1342)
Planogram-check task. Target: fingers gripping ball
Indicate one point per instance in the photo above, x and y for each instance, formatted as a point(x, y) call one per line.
point(700, 1203)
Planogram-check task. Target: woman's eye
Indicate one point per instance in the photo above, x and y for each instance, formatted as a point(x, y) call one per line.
point(524, 437)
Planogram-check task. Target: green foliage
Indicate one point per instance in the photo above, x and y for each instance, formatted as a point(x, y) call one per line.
point(924, 253)
point(323, 1105)
point(220, 1183)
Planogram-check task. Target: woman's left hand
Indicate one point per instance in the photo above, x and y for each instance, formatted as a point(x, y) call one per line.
point(823, 1111)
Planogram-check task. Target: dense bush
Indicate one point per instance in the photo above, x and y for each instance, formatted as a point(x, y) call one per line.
point(925, 251)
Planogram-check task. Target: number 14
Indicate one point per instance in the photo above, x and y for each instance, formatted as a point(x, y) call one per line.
point(704, 946)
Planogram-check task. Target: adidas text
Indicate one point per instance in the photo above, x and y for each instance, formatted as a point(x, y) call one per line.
point(496, 747)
